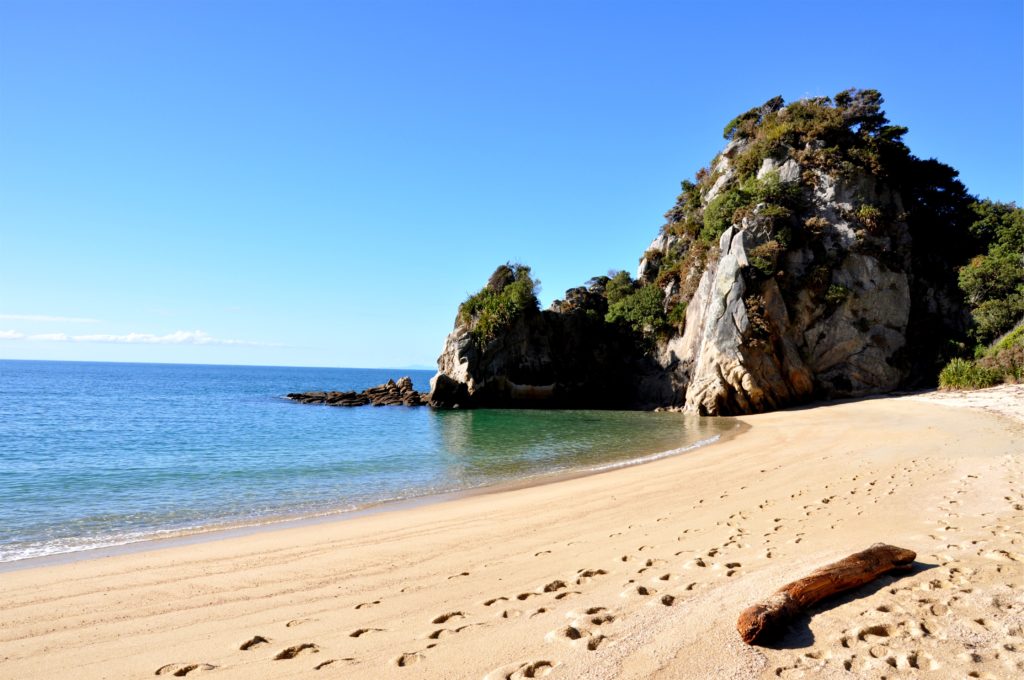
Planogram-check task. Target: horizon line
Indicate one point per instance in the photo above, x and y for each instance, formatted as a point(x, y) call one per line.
point(192, 363)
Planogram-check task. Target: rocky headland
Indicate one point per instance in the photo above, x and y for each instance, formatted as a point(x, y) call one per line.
point(814, 258)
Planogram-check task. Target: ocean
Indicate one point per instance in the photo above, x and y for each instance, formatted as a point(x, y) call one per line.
point(95, 455)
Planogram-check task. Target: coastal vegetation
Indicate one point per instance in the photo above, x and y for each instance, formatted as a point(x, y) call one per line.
point(993, 285)
point(510, 292)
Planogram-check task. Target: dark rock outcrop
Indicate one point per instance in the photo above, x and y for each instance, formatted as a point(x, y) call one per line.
point(544, 359)
point(390, 393)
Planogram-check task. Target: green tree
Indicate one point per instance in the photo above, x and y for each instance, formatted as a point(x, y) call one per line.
point(642, 310)
point(994, 282)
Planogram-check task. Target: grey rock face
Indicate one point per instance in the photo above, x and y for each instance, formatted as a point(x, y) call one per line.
point(811, 338)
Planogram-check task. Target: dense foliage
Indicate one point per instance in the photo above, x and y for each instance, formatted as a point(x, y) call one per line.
point(993, 283)
point(510, 292)
point(642, 309)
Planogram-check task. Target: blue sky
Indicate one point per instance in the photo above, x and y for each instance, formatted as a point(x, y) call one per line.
point(321, 183)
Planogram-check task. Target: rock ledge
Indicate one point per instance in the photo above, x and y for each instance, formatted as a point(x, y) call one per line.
point(390, 393)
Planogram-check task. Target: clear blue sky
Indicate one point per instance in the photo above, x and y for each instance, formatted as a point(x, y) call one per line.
point(321, 183)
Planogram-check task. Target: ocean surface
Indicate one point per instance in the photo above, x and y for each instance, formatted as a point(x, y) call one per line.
point(102, 454)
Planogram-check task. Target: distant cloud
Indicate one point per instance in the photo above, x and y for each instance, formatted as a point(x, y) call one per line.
point(43, 317)
point(175, 338)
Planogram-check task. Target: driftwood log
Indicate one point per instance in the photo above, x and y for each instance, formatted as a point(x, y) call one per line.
point(771, 614)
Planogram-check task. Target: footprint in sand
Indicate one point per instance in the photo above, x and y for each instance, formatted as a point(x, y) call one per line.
point(586, 575)
point(534, 669)
point(585, 629)
point(363, 631)
point(444, 618)
point(256, 641)
point(325, 664)
point(409, 659)
point(180, 670)
point(295, 650)
point(443, 632)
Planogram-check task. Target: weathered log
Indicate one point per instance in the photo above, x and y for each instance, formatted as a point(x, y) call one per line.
point(850, 572)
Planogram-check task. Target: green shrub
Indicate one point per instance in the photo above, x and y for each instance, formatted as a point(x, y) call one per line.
point(509, 292)
point(718, 216)
point(836, 294)
point(770, 189)
point(642, 310)
point(1007, 363)
point(870, 217)
point(993, 317)
point(677, 315)
point(963, 374)
point(618, 286)
point(764, 257)
point(1014, 338)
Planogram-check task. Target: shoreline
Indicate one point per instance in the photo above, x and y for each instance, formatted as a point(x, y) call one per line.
point(638, 572)
point(185, 537)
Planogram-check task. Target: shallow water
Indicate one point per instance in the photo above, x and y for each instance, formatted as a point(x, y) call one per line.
point(101, 454)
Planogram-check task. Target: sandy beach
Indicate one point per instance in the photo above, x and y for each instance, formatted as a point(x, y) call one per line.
point(639, 572)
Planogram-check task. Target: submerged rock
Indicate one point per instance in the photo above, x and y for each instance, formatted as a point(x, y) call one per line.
point(390, 393)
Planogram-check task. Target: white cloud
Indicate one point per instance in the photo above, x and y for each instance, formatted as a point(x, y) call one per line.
point(175, 338)
point(43, 317)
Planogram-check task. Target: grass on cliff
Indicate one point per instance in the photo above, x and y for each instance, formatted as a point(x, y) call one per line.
point(509, 292)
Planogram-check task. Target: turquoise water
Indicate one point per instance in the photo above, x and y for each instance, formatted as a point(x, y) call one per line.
point(102, 454)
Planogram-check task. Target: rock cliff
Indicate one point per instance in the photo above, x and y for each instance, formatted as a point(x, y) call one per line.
point(815, 258)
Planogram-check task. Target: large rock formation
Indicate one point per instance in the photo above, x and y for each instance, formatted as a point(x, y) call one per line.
point(566, 357)
point(816, 258)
